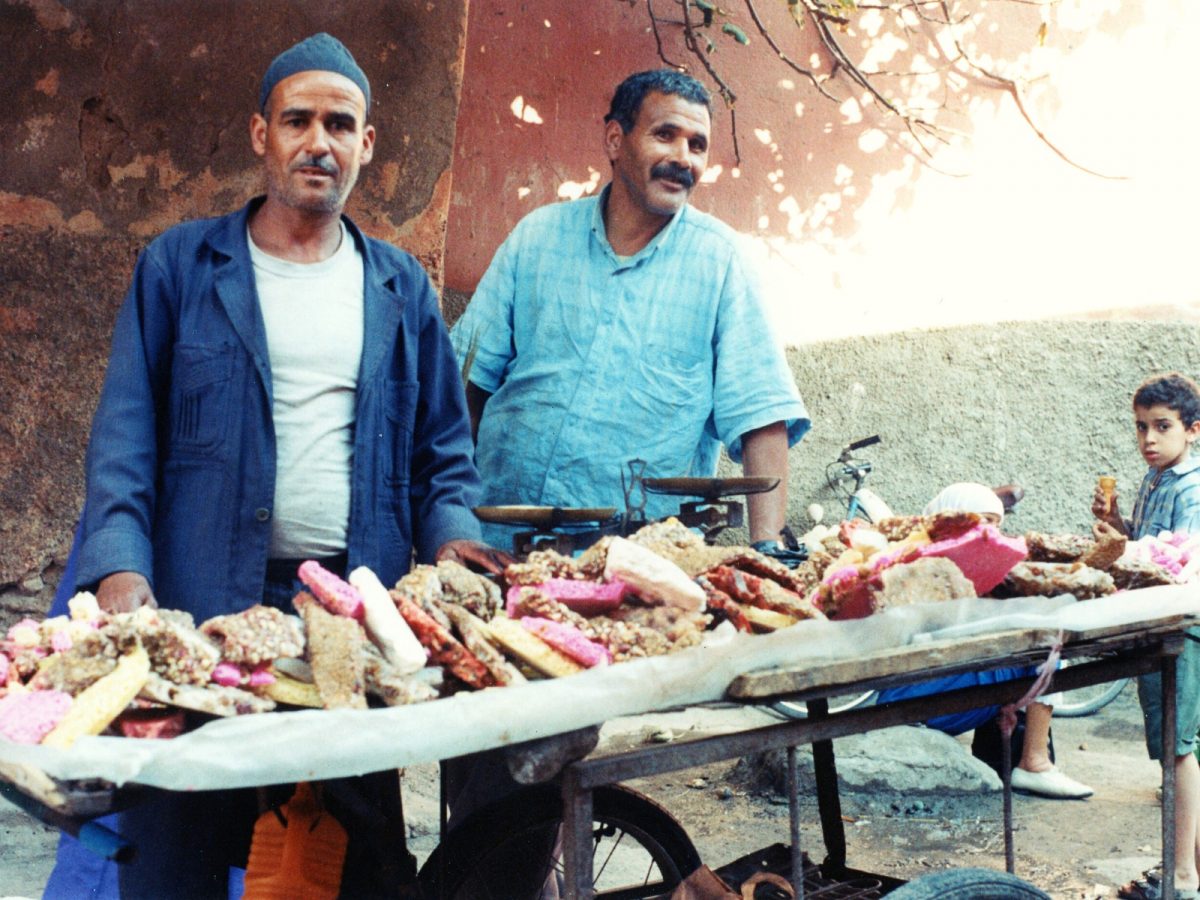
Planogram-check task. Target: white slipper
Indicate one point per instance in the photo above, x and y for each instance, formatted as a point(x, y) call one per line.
point(1051, 783)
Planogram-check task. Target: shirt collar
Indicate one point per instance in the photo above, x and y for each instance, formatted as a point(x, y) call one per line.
point(1188, 465)
point(646, 252)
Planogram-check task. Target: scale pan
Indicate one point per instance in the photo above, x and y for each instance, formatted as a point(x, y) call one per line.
point(710, 487)
point(542, 516)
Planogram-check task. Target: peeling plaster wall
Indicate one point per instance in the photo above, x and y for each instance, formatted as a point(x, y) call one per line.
point(130, 117)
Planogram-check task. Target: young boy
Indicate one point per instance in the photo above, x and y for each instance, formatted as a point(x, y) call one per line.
point(1166, 414)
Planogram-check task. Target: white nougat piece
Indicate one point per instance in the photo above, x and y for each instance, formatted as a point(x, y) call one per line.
point(652, 577)
point(385, 626)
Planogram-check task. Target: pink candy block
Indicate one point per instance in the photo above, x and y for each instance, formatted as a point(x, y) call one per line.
point(227, 674)
point(336, 595)
point(27, 718)
point(983, 554)
point(568, 640)
point(588, 598)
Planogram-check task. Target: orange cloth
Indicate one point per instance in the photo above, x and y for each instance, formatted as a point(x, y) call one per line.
point(299, 860)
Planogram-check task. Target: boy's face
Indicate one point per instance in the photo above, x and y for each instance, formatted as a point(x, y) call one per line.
point(1162, 437)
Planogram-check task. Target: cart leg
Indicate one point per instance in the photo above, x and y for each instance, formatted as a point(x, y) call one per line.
point(1010, 857)
point(793, 784)
point(829, 802)
point(1168, 776)
point(577, 838)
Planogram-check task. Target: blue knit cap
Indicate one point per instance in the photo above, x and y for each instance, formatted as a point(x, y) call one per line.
point(320, 53)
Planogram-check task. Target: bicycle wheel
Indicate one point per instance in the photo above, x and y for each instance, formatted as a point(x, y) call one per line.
point(798, 709)
point(968, 884)
point(638, 849)
point(1087, 700)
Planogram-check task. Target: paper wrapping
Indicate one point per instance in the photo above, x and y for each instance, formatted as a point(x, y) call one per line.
point(306, 745)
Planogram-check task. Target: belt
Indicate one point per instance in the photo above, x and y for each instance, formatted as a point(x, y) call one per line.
point(284, 570)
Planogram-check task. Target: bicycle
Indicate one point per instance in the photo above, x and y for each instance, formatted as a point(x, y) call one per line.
point(860, 502)
point(1089, 700)
point(845, 477)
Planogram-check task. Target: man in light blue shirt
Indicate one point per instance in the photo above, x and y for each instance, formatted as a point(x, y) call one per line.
point(628, 325)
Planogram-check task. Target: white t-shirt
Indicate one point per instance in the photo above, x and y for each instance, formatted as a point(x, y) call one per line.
point(313, 314)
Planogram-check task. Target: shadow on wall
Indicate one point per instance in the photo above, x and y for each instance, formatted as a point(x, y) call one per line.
point(1043, 404)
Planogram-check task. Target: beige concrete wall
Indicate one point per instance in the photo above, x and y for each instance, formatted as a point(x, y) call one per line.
point(1043, 404)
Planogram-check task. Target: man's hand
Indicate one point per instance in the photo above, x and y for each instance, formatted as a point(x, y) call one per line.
point(1106, 512)
point(124, 592)
point(474, 554)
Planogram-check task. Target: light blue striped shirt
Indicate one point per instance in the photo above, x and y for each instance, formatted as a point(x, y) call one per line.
point(1169, 501)
point(594, 360)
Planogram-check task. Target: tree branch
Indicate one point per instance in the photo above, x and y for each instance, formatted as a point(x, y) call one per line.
point(689, 39)
point(817, 82)
point(1013, 89)
point(657, 37)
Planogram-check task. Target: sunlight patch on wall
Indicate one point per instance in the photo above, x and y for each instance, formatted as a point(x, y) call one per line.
point(573, 190)
point(1023, 235)
point(524, 111)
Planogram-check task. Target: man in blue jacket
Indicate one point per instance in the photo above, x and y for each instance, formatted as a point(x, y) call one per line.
point(280, 388)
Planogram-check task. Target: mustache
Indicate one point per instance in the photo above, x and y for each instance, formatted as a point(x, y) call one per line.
point(316, 162)
point(674, 172)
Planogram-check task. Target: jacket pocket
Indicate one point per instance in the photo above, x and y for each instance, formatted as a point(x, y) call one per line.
point(400, 413)
point(201, 383)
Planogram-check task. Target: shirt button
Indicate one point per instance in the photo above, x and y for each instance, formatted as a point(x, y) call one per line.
point(262, 514)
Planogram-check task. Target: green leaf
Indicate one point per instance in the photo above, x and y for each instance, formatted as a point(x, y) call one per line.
point(736, 33)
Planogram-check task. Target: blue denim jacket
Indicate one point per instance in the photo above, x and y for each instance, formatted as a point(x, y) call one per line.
point(181, 462)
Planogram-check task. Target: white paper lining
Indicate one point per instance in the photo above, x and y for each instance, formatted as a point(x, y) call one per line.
point(314, 744)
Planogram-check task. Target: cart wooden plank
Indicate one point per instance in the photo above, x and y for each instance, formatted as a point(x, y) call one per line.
point(980, 650)
point(68, 798)
point(892, 661)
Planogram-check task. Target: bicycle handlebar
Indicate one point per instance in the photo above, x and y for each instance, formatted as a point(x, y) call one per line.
point(865, 442)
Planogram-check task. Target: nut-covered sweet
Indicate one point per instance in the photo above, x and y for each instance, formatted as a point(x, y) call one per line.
point(258, 635)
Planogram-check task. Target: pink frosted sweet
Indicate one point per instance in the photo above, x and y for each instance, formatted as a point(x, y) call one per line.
point(983, 554)
point(568, 640)
point(338, 596)
point(588, 598)
point(227, 674)
point(260, 677)
point(28, 717)
point(60, 641)
point(4, 667)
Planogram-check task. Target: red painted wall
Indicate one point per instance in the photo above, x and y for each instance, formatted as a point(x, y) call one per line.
point(854, 232)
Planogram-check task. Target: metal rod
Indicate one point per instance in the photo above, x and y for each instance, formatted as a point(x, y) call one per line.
point(793, 783)
point(577, 837)
point(1168, 777)
point(443, 805)
point(1006, 775)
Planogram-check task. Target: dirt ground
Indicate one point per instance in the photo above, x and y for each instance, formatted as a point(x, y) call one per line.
point(1071, 849)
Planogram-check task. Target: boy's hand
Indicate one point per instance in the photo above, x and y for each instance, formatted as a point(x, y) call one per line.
point(1107, 512)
